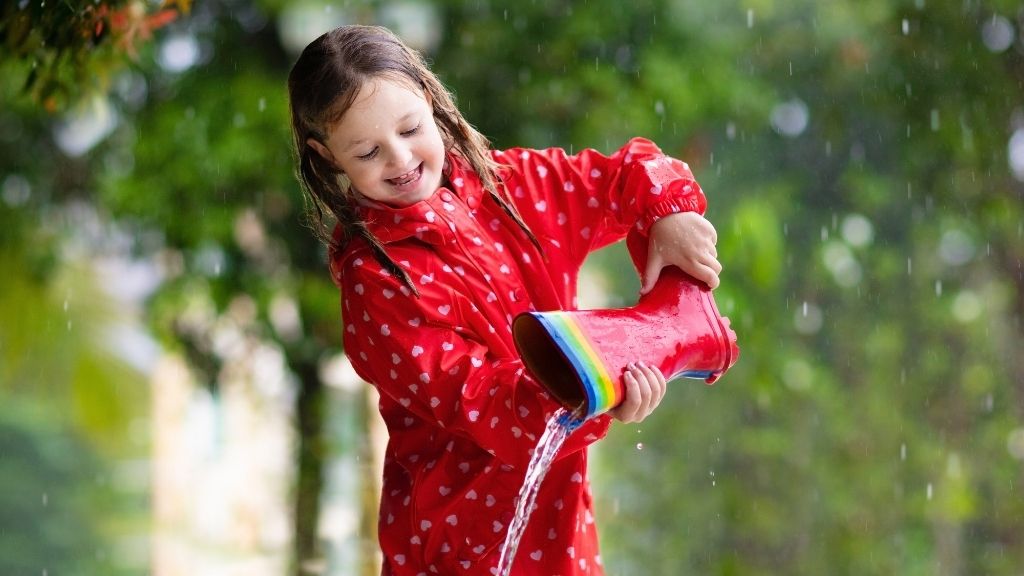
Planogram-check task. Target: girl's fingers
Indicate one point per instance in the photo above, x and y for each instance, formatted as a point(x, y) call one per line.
point(705, 274)
point(656, 381)
point(644, 388)
point(626, 411)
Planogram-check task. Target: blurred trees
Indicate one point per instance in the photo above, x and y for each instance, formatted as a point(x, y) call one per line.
point(860, 167)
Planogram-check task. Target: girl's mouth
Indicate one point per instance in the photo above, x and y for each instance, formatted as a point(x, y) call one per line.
point(407, 181)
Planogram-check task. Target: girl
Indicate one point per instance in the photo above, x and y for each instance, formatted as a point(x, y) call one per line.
point(439, 242)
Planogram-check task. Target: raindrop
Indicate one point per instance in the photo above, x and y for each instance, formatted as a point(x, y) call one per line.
point(750, 18)
point(262, 104)
point(935, 120)
point(639, 445)
point(69, 325)
point(790, 118)
point(929, 490)
point(956, 248)
point(659, 108)
point(179, 53)
point(938, 287)
point(730, 131)
point(906, 27)
point(86, 126)
point(997, 33)
point(809, 319)
point(857, 230)
point(1015, 154)
point(841, 262)
point(46, 499)
point(967, 306)
point(910, 266)
point(903, 452)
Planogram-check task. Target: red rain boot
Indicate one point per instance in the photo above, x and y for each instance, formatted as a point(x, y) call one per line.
point(580, 356)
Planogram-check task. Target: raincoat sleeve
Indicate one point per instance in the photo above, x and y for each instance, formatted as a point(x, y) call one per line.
point(418, 352)
point(585, 201)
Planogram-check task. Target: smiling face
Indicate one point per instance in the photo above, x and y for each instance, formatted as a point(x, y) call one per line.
point(388, 144)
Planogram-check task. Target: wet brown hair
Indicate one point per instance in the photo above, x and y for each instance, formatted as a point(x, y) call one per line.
point(322, 85)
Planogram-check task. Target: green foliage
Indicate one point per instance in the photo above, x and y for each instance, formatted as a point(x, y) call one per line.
point(71, 49)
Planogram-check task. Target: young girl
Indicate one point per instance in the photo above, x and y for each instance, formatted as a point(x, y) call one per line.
point(439, 243)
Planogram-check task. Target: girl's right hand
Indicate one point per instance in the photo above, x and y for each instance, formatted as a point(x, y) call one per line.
point(644, 388)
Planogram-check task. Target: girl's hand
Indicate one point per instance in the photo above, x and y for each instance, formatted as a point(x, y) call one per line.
point(644, 389)
point(686, 240)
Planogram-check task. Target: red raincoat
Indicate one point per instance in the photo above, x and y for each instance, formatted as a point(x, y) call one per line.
point(462, 413)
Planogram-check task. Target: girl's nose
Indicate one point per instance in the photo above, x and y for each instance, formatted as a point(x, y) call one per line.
point(400, 156)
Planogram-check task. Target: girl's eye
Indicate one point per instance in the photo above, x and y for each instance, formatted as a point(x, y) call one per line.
point(412, 131)
point(369, 155)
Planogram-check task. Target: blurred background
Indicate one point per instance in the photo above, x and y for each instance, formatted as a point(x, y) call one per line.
point(173, 395)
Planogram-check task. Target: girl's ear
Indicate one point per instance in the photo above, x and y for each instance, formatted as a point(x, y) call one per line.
point(323, 151)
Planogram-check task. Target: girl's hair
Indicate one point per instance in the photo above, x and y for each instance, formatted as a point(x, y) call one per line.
point(322, 86)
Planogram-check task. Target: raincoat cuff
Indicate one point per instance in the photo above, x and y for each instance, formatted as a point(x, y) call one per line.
point(664, 208)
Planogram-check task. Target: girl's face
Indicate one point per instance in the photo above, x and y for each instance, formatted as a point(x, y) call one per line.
point(387, 143)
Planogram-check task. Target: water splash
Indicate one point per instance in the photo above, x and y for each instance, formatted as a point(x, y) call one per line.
point(560, 426)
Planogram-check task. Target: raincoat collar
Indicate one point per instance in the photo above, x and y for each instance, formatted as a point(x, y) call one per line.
point(421, 220)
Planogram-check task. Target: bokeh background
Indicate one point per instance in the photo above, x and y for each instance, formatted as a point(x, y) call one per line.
point(173, 395)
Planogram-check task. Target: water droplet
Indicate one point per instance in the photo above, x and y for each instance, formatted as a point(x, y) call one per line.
point(639, 445)
point(997, 34)
point(903, 452)
point(906, 27)
point(929, 491)
point(750, 18)
point(805, 308)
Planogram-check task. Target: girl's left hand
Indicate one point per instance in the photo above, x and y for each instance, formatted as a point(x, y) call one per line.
point(644, 388)
point(686, 240)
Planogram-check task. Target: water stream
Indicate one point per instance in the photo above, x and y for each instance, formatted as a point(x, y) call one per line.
point(560, 426)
